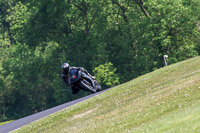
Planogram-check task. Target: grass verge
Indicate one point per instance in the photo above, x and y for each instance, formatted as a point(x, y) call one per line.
point(166, 100)
point(2, 123)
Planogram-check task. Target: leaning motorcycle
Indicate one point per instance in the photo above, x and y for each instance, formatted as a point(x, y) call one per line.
point(83, 81)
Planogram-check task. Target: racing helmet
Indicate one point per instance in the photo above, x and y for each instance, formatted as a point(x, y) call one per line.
point(65, 67)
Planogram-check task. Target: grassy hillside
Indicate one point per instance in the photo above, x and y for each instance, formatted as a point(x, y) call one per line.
point(166, 100)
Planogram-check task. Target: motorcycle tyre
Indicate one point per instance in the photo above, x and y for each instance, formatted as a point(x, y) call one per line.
point(98, 87)
point(86, 87)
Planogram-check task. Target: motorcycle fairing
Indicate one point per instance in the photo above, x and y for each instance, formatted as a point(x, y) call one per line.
point(74, 76)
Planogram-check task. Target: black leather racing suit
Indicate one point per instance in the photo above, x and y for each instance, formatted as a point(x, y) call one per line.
point(65, 77)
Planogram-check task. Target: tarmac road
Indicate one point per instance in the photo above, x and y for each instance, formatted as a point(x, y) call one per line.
point(26, 120)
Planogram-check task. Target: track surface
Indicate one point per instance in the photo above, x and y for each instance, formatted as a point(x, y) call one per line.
point(26, 120)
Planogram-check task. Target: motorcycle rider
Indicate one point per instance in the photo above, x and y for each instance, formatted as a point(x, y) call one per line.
point(65, 76)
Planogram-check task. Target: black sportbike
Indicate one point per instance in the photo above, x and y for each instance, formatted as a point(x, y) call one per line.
point(82, 81)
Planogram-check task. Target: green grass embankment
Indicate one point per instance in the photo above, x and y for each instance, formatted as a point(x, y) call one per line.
point(166, 100)
point(2, 123)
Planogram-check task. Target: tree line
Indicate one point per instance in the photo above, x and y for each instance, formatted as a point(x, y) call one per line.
point(115, 40)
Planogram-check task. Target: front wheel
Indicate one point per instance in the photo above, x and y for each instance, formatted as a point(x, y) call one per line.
point(98, 86)
point(87, 87)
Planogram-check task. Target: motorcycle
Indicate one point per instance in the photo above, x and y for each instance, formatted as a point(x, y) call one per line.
point(83, 81)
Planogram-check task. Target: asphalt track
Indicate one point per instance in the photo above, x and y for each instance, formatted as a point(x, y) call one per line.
point(26, 120)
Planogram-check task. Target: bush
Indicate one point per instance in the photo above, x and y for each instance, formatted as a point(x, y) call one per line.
point(106, 75)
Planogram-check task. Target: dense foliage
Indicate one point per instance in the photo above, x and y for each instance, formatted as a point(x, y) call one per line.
point(36, 37)
point(106, 75)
